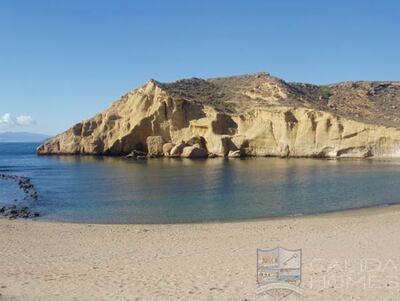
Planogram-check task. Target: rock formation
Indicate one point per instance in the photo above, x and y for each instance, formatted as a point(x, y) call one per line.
point(250, 115)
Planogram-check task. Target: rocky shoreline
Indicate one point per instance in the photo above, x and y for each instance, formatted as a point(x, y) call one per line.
point(19, 211)
point(13, 212)
point(195, 147)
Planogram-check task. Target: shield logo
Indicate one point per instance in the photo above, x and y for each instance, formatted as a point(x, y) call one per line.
point(279, 271)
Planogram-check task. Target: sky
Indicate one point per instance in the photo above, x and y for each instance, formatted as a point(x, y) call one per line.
point(63, 61)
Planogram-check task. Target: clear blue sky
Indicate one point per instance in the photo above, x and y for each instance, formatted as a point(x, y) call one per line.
point(63, 61)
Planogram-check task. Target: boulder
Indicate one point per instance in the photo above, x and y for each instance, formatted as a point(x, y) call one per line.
point(14, 212)
point(194, 152)
point(154, 146)
point(234, 154)
point(198, 141)
point(177, 150)
point(167, 147)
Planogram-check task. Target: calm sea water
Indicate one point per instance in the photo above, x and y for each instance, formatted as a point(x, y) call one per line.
point(119, 190)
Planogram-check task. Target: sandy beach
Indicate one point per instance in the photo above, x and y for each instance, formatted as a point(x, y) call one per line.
point(351, 255)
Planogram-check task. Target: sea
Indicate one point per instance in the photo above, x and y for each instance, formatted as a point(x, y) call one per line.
point(95, 189)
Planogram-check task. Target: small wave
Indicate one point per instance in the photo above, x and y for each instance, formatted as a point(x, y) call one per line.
point(296, 215)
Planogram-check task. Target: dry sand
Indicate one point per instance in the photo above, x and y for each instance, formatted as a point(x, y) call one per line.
point(351, 255)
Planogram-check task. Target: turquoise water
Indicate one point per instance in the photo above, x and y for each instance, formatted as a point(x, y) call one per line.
point(119, 190)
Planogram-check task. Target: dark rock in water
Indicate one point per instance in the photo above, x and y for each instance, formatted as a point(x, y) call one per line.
point(14, 212)
point(139, 153)
point(23, 183)
point(136, 154)
point(34, 195)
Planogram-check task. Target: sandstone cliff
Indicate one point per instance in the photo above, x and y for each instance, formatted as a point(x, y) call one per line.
point(251, 115)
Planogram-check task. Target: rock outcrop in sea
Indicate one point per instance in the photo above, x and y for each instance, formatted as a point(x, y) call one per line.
point(250, 115)
point(16, 210)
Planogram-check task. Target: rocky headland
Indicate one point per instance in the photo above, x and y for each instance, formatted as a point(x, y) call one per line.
point(249, 115)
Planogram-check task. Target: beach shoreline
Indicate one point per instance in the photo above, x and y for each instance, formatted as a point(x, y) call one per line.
point(43, 260)
point(373, 209)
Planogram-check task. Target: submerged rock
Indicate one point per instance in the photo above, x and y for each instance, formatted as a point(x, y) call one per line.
point(14, 212)
point(136, 154)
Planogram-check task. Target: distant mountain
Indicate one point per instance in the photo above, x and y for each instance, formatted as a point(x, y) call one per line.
point(22, 137)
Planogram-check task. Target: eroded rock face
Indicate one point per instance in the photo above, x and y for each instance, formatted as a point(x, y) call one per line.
point(155, 146)
point(255, 115)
